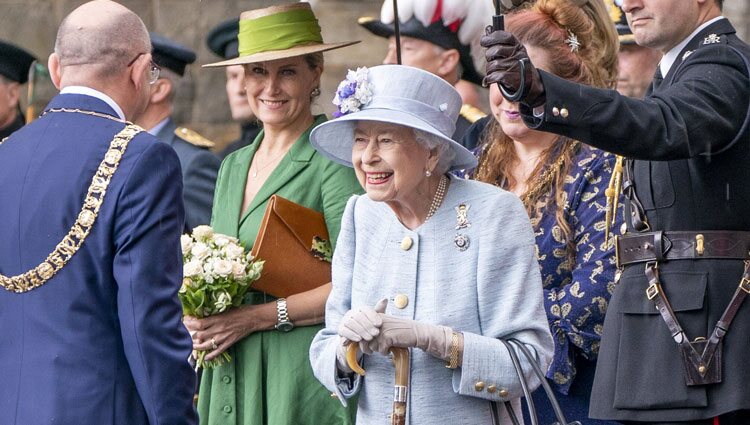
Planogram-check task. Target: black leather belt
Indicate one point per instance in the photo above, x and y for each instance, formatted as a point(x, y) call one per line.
point(661, 246)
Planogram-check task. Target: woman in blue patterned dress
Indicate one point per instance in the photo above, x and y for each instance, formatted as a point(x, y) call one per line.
point(562, 185)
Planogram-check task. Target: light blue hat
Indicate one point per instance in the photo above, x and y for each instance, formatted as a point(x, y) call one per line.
point(396, 94)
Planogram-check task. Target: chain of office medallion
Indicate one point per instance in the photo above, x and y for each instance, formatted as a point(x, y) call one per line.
point(73, 241)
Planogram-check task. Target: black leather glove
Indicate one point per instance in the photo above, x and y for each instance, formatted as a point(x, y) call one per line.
point(504, 57)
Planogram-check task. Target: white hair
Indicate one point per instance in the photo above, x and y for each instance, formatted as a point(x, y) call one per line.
point(444, 152)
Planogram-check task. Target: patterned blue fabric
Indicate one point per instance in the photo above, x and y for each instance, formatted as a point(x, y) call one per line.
point(576, 295)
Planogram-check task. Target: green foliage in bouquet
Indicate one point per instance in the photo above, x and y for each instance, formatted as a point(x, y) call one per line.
point(217, 274)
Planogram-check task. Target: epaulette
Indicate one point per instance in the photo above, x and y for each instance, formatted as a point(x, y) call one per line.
point(193, 138)
point(471, 113)
point(709, 40)
point(714, 39)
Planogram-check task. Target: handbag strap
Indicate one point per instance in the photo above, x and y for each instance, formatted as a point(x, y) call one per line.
point(524, 386)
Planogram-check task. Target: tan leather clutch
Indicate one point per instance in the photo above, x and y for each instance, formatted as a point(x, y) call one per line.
point(285, 241)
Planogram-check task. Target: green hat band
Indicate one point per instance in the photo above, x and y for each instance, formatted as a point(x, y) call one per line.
point(279, 31)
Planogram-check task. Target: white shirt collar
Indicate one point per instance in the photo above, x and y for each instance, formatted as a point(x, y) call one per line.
point(671, 56)
point(157, 128)
point(88, 91)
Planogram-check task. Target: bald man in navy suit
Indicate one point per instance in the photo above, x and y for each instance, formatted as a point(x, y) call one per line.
point(90, 260)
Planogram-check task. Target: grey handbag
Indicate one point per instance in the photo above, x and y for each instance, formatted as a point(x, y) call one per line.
point(525, 386)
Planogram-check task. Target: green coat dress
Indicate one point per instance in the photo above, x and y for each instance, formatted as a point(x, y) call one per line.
point(269, 380)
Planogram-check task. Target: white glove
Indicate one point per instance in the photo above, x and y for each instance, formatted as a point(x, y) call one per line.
point(395, 332)
point(362, 324)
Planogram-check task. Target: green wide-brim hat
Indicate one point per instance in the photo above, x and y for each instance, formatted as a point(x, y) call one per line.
point(279, 32)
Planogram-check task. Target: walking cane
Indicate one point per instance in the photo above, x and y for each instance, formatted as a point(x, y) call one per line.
point(401, 386)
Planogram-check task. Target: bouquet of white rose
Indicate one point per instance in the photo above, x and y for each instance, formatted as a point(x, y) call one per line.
point(217, 274)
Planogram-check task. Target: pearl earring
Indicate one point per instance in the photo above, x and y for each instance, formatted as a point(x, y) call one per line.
point(428, 173)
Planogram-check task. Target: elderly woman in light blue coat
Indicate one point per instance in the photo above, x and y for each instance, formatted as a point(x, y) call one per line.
point(425, 261)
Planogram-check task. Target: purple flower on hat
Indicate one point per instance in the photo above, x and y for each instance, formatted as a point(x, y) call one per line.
point(353, 93)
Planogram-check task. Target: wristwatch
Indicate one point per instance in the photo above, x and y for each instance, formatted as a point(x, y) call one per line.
point(283, 323)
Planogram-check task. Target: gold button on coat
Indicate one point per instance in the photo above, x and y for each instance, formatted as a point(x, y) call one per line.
point(401, 301)
point(491, 389)
point(406, 243)
point(564, 113)
point(503, 393)
point(479, 386)
point(556, 111)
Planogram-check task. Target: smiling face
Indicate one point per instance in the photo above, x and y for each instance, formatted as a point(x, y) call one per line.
point(507, 113)
point(390, 163)
point(279, 91)
point(662, 24)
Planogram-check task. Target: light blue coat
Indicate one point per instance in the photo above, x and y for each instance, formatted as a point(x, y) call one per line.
point(492, 289)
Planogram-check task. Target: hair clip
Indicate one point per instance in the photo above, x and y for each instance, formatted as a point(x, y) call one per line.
point(572, 41)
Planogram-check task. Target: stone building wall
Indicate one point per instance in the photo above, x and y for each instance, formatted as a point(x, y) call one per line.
point(201, 104)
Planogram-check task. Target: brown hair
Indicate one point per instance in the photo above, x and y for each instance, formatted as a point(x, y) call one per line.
point(549, 24)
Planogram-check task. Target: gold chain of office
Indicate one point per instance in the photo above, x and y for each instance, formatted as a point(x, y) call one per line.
point(73, 241)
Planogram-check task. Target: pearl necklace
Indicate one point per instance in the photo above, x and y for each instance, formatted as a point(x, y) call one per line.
point(439, 196)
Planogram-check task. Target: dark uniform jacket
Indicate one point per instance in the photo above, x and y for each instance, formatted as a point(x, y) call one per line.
point(102, 341)
point(466, 117)
point(691, 142)
point(199, 170)
point(12, 127)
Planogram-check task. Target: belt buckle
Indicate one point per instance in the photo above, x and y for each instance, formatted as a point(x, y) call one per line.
point(652, 291)
point(745, 285)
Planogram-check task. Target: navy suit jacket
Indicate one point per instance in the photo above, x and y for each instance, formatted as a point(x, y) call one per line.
point(199, 170)
point(102, 341)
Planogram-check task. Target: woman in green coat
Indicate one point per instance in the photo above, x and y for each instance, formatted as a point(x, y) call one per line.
point(269, 380)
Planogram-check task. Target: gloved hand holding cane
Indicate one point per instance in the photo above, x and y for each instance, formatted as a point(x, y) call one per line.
point(375, 331)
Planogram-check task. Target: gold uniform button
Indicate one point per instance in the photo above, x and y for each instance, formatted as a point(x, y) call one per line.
point(491, 389)
point(564, 113)
point(503, 393)
point(556, 111)
point(406, 243)
point(401, 301)
point(479, 386)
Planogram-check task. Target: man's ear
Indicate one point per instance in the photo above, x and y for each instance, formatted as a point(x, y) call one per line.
point(138, 75)
point(55, 69)
point(161, 90)
point(449, 60)
point(14, 93)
